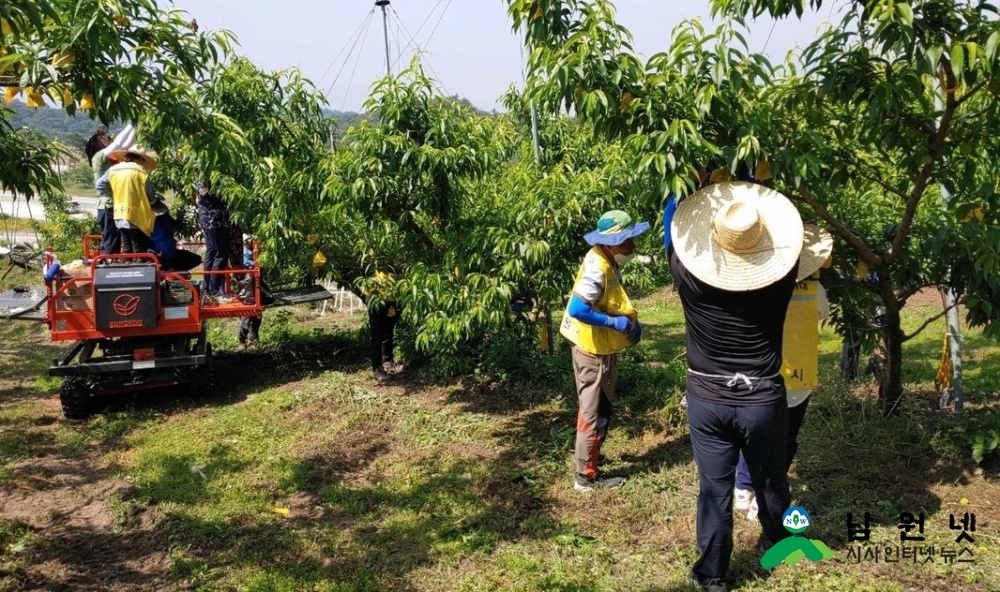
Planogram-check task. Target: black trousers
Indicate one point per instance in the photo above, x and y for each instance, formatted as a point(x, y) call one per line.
point(134, 240)
point(183, 260)
point(382, 325)
point(216, 257)
point(796, 416)
point(718, 434)
point(249, 329)
point(111, 237)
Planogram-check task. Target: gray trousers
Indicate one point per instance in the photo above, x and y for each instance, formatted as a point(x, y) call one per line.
point(595, 390)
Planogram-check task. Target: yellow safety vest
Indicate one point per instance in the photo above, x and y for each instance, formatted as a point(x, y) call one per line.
point(613, 301)
point(128, 188)
point(800, 349)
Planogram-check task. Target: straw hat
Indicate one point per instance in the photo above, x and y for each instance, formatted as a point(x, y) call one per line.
point(148, 161)
point(737, 236)
point(614, 228)
point(817, 244)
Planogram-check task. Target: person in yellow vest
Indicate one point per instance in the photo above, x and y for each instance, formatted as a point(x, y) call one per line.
point(600, 321)
point(799, 352)
point(132, 193)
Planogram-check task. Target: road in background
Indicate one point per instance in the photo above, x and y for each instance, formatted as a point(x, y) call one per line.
point(33, 210)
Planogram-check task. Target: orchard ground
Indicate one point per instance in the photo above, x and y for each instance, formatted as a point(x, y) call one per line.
point(301, 474)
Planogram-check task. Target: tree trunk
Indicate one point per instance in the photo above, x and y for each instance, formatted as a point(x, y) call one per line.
point(890, 375)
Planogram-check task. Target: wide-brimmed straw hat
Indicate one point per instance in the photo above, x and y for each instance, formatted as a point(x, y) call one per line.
point(817, 244)
point(614, 228)
point(148, 161)
point(737, 236)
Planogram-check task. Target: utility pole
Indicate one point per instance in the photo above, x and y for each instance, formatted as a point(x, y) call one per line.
point(385, 32)
point(954, 324)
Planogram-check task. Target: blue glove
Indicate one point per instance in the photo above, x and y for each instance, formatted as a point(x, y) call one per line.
point(668, 217)
point(620, 323)
point(635, 335)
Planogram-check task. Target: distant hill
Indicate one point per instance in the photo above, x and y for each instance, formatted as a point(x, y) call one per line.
point(344, 120)
point(54, 124)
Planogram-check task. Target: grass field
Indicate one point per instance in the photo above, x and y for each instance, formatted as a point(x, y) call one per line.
point(301, 474)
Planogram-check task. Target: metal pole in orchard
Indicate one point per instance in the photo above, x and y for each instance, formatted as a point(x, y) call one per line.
point(385, 32)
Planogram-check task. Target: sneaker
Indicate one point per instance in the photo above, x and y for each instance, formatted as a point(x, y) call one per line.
point(752, 511)
point(742, 499)
point(713, 587)
point(587, 485)
point(392, 367)
point(241, 346)
point(380, 376)
point(252, 343)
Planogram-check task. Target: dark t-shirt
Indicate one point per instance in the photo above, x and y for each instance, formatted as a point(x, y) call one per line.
point(733, 332)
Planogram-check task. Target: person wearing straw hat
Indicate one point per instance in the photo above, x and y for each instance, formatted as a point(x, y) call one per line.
point(734, 250)
point(132, 192)
point(800, 352)
point(600, 321)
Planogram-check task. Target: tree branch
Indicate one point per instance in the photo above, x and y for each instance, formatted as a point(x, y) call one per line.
point(856, 242)
point(884, 185)
point(972, 91)
point(935, 147)
point(928, 322)
point(921, 125)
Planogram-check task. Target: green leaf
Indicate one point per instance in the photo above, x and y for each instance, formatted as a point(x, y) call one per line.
point(958, 59)
point(991, 45)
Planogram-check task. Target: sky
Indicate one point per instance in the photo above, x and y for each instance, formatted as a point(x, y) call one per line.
point(470, 48)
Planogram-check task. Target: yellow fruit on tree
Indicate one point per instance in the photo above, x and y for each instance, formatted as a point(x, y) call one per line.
point(976, 213)
point(319, 259)
point(67, 98)
point(34, 97)
point(10, 93)
point(87, 102)
point(626, 101)
point(5, 27)
point(64, 59)
point(122, 21)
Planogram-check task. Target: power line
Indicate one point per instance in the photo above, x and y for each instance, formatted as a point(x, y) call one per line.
point(426, 18)
point(438, 23)
point(367, 25)
point(353, 36)
point(766, 41)
point(399, 41)
point(355, 69)
point(415, 47)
